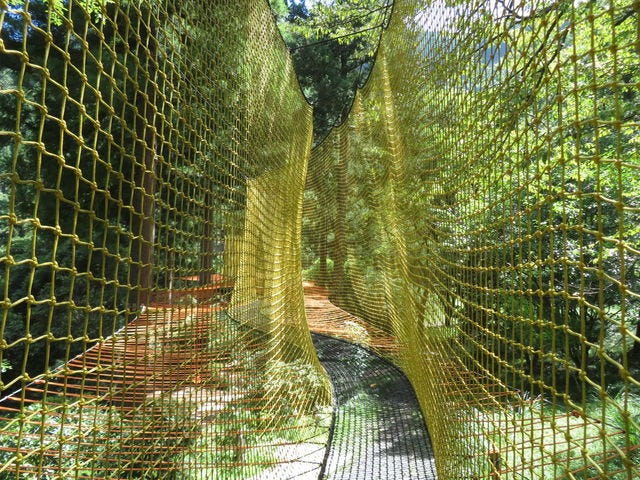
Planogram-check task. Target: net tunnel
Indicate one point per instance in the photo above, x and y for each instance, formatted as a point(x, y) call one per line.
point(447, 286)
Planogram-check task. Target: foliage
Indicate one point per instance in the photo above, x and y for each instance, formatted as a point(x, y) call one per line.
point(549, 194)
point(70, 217)
point(296, 387)
point(604, 447)
point(277, 403)
point(312, 273)
point(222, 445)
point(59, 449)
point(571, 179)
point(37, 220)
point(329, 71)
point(58, 11)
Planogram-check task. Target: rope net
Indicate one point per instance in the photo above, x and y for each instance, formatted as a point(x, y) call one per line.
point(477, 216)
point(475, 219)
point(153, 158)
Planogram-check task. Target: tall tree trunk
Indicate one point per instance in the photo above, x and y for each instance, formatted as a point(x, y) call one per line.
point(206, 243)
point(339, 282)
point(143, 219)
point(143, 198)
point(322, 251)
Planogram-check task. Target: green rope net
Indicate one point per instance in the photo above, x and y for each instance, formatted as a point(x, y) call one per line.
point(477, 214)
point(475, 220)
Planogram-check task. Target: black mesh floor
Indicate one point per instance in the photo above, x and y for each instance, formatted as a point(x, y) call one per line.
point(379, 431)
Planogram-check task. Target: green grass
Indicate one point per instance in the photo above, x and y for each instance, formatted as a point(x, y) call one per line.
point(544, 442)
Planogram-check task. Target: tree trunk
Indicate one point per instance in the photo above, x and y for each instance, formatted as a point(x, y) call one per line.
point(206, 243)
point(143, 198)
point(323, 276)
point(143, 225)
point(340, 244)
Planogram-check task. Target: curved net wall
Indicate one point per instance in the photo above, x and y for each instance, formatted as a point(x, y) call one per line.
point(153, 157)
point(477, 215)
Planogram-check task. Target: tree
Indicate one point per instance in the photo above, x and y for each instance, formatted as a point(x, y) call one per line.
point(333, 46)
point(570, 195)
point(86, 192)
point(61, 203)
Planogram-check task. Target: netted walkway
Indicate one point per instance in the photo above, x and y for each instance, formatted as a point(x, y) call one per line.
point(379, 431)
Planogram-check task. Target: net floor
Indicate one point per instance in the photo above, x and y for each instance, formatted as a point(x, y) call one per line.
point(379, 431)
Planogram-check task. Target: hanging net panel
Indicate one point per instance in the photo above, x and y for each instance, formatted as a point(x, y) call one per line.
point(153, 158)
point(475, 219)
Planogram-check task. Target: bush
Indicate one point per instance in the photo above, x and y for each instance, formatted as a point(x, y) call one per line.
point(52, 439)
point(296, 388)
point(312, 273)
